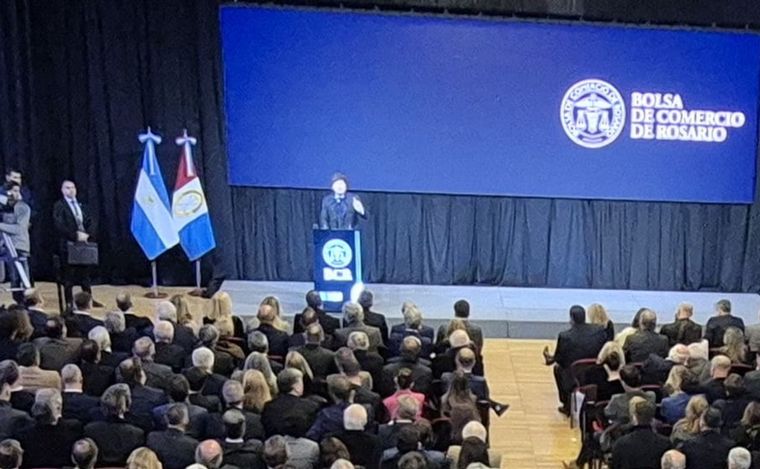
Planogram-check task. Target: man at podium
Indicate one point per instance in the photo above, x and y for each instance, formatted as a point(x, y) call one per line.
point(341, 208)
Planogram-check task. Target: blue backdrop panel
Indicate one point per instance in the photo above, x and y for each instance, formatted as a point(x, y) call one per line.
point(405, 103)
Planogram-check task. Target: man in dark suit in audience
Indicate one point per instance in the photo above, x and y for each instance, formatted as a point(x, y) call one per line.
point(97, 377)
point(462, 311)
point(139, 323)
point(709, 449)
point(580, 341)
point(289, 413)
point(717, 325)
point(122, 338)
point(446, 361)
point(238, 451)
point(156, 374)
point(353, 320)
point(714, 388)
point(76, 404)
point(642, 447)
point(232, 392)
point(57, 350)
point(168, 353)
point(370, 362)
point(278, 340)
point(203, 358)
point(465, 361)
point(308, 317)
point(183, 335)
point(223, 363)
point(84, 454)
point(34, 304)
point(314, 301)
point(412, 325)
point(179, 392)
point(196, 379)
point(115, 437)
point(372, 318)
point(639, 345)
point(144, 398)
point(330, 419)
point(409, 358)
point(683, 330)
point(320, 359)
point(11, 420)
point(174, 448)
point(81, 320)
point(365, 448)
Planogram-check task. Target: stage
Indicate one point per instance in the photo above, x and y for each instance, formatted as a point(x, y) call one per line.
point(503, 312)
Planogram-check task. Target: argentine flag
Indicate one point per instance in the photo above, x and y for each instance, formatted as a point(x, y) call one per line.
point(152, 224)
point(189, 206)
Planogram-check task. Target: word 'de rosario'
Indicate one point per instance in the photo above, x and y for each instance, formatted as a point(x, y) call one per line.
point(663, 116)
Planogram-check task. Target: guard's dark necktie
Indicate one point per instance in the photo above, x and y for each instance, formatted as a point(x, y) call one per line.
point(77, 214)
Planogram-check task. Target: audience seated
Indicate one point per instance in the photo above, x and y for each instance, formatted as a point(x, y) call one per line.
point(97, 377)
point(473, 429)
point(734, 347)
point(673, 459)
point(641, 447)
point(408, 410)
point(167, 352)
point(353, 320)
point(747, 433)
point(320, 359)
point(445, 361)
point(289, 413)
point(237, 450)
point(688, 427)
point(606, 376)
point(733, 406)
point(474, 454)
point(11, 454)
point(76, 404)
point(717, 325)
point(278, 340)
point(314, 301)
point(156, 374)
point(209, 454)
point(673, 407)
point(739, 458)
point(372, 318)
point(699, 362)
point(35, 309)
point(179, 393)
point(144, 398)
point(173, 446)
point(121, 337)
point(406, 445)
point(20, 398)
point(233, 395)
point(713, 388)
point(108, 356)
point(580, 341)
point(11, 420)
point(683, 330)
point(412, 326)
point(84, 453)
point(81, 320)
point(57, 350)
point(183, 335)
point(197, 378)
point(708, 449)
point(48, 442)
point(655, 369)
point(462, 312)
point(258, 342)
point(259, 361)
point(465, 362)
point(365, 448)
point(370, 362)
point(409, 357)
point(598, 315)
point(205, 359)
point(114, 436)
point(31, 376)
point(617, 410)
point(459, 405)
point(329, 420)
point(223, 363)
point(141, 325)
point(639, 345)
point(404, 381)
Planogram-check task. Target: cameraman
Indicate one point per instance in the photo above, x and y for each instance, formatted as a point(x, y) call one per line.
point(15, 223)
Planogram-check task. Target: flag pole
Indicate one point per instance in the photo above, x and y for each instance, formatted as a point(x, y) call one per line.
point(198, 273)
point(154, 293)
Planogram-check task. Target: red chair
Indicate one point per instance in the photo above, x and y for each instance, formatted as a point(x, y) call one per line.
point(578, 370)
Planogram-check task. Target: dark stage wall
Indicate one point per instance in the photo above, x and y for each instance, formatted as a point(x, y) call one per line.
point(79, 79)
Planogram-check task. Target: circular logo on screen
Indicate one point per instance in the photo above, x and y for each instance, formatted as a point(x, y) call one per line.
point(592, 113)
point(337, 253)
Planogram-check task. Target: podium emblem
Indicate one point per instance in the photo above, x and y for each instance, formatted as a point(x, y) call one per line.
point(337, 253)
point(592, 113)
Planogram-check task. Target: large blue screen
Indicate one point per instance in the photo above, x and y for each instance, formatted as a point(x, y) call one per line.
point(407, 103)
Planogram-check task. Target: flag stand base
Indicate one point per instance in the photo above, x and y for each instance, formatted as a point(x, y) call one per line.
point(156, 295)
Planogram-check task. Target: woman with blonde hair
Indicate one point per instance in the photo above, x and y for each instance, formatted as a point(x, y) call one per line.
point(688, 427)
point(606, 376)
point(220, 310)
point(259, 361)
point(297, 361)
point(143, 458)
point(598, 315)
point(673, 407)
point(184, 315)
point(734, 346)
point(278, 322)
point(256, 391)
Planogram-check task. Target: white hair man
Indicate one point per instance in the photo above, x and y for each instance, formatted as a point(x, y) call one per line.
point(157, 375)
point(203, 359)
point(353, 320)
point(183, 335)
point(364, 447)
point(673, 459)
point(739, 458)
point(167, 352)
point(76, 404)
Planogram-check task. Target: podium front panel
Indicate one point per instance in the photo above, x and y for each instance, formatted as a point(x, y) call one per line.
point(337, 266)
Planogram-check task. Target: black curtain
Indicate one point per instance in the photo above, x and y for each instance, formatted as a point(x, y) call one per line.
point(79, 79)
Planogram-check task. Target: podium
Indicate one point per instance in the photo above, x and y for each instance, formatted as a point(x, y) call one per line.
point(337, 266)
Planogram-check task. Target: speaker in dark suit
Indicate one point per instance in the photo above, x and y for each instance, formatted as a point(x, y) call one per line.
point(73, 223)
point(340, 209)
